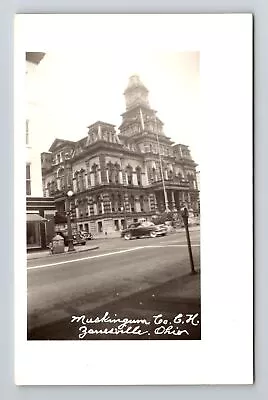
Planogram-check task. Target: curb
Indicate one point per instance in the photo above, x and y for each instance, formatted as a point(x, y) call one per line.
point(60, 254)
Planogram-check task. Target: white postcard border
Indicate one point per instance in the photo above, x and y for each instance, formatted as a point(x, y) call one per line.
point(225, 353)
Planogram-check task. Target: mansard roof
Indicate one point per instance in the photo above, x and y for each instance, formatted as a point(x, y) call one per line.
point(97, 123)
point(59, 143)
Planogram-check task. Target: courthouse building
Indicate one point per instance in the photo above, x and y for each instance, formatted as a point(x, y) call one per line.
point(121, 175)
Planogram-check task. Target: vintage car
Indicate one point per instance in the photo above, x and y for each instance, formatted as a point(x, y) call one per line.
point(142, 229)
point(86, 235)
point(77, 239)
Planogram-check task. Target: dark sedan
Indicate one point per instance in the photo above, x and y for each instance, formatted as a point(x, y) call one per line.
point(139, 229)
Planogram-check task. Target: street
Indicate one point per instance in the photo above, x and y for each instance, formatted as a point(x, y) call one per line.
point(123, 278)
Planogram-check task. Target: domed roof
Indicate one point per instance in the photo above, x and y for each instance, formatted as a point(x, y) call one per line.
point(135, 82)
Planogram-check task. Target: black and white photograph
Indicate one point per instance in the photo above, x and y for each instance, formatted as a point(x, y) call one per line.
point(112, 196)
point(132, 199)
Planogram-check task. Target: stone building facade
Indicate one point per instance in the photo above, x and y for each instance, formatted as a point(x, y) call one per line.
point(117, 175)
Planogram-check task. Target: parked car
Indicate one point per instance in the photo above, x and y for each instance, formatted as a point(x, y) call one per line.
point(86, 235)
point(79, 240)
point(141, 229)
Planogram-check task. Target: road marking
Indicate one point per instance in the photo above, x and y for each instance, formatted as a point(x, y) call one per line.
point(108, 254)
point(175, 245)
point(84, 258)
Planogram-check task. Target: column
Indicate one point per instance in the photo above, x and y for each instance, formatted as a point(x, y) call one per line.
point(107, 175)
point(95, 208)
point(144, 181)
point(134, 179)
point(173, 201)
point(99, 173)
point(120, 177)
point(137, 204)
point(92, 179)
point(90, 206)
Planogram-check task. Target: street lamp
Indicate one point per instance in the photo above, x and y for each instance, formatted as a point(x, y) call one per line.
point(69, 194)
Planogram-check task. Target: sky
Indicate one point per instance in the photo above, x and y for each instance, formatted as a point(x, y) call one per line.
point(75, 89)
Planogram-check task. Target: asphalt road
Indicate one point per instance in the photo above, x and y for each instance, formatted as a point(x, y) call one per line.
point(90, 282)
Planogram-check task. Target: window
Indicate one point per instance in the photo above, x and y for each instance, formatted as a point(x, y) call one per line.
point(132, 203)
point(96, 174)
point(61, 176)
point(27, 131)
point(116, 224)
point(99, 226)
point(138, 172)
point(28, 179)
point(129, 175)
point(33, 234)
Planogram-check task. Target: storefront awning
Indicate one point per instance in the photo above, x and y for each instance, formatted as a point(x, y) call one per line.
point(35, 218)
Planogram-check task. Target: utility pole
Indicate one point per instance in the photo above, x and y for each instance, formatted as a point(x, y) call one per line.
point(161, 169)
point(68, 195)
point(185, 216)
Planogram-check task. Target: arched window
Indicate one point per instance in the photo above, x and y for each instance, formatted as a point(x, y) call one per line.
point(138, 172)
point(81, 178)
point(154, 175)
point(120, 202)
point(142, 203)
point(99, 204)
point(116, 172)
point(95, 174)
point(129, 175)
point(170, 174)
point(112, 198)
point(61, 179)
point(76, 175)
point(110, 169)
point(132, 203)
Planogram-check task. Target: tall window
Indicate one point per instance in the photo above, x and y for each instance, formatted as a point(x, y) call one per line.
point(27, 131)
point(138, 172)
point(99, 204)
point(132, 203)
point(28, 179)
point(170, 174)
point(129, 175)
point(82, 180)
point(110, 168)
point(142, 203)
point(116, 174)
point(96, 174)
point(61, 173)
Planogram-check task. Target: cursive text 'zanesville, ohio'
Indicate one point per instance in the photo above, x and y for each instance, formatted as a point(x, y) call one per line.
point(140, 327)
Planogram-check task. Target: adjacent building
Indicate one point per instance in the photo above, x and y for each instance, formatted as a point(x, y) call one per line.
point(121, 175)
point(40, 211)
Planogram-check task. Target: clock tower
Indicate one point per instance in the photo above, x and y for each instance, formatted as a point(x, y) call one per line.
point(139, 117)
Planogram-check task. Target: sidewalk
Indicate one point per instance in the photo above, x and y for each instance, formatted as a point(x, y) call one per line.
point(47, 253)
